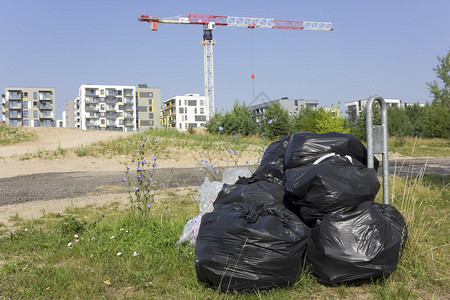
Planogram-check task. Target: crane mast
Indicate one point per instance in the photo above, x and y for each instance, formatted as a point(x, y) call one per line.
point(210, 21)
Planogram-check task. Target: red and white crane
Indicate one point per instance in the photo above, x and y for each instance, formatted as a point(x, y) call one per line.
point(210, 21)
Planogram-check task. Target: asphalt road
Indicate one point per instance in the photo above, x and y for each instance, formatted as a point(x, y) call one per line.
point(47, 186)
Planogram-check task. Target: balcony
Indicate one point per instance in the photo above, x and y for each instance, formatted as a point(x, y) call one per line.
point(110, 108)
point(15, 116)
point(92, 116)
point(128, 108)
point(46, 116)
point(111, 93)
point(45, 97)
point(129, 123)
point(128, 101)
point(15, 97)
point(128, 93)
point(94, 100)
point(45, 107)
point(15, 105)
point(111, 100)
point(128, 116)
point(92, 123)
point(91, 108)
point(110, 123)
point(111, 115)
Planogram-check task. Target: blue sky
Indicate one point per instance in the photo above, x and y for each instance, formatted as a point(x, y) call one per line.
point(379, 47)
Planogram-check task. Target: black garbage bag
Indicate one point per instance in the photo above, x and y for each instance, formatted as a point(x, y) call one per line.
point(364, 244)
point(337, 184)
point(272, 164)
point(242, 247)
point(306, 147)
point(261, 190)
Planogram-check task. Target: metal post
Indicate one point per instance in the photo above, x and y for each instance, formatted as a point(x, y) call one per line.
point(379, 133)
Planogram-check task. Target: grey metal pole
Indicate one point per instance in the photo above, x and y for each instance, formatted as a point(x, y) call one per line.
point(384, 140)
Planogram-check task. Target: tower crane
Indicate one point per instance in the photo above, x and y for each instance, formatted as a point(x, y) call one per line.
point(210, 21)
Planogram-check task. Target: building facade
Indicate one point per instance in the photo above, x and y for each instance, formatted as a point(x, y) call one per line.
point(354, 108)
point(28, 106)
point(293, 106)
point(148, 104)
point(184, 112)
point(105, 107)
point(114, 108)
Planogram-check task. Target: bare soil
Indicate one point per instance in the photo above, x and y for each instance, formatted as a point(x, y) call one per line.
point(53, 138)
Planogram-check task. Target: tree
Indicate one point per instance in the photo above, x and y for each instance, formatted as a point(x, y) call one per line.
point(276, 122)
point(437, 115)
point(399, 124)
point(239, 121)
point(320, 120)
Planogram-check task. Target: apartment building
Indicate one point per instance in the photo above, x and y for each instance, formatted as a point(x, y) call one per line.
point(293, 106)
point(28, 106)
point(148, 104)
point(114, 108)
point(354, 108)
point(184, 112)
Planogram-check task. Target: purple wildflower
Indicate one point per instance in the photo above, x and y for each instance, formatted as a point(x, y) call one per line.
point(154, 157)
point(231, 151)
point(154, 165)
point(156, 140)
point(215, 170)
point(201, 169)
point(139, 169)
point(140, 144)
point(124, 179)
point(270, 121)
point(220, 128)
point(261, 134)
point(234, 137)
point(218, 123)
point(153, 199)
point(136, 162)
point(136, 188)
point(138, 150)
point(143, 162)
point(144, 139)
point(149, 205)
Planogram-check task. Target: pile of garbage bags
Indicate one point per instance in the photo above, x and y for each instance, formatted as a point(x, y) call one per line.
point(309, 203)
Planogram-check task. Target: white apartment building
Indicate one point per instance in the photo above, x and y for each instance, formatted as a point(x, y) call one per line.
point(184, 112)
point(354, 108)
point(105, 107)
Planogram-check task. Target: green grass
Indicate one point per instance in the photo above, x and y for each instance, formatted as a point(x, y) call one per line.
point(11, 135)
point(37, 263)
point(171, 141)
point(417, 147)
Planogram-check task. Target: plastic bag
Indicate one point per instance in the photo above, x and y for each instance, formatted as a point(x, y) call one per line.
point(190, 230)
point(334, 184)
point(263, 191)
point(208, 192)
point(364, 244)
point(230, 176)
point(305, 147)
point(272, 163)
point(243, 246)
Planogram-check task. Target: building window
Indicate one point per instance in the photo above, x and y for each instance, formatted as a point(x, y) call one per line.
point(25, 122)
point(179, 101)
point(25, 94)
point(192, 103)
point(185, 102)
point(35, 114)
point(25, 113)
point(181, 110)
point(102, 106)
point(102, 121)
point(201, 103)
point(36, 123)
point(25, 104)
point(185, 117)
point(35, 95)
point(195, 110)
point(180, 123)
point(150, 101)
point(185, 110)
point(150, 115)
point(120, 106)
point(202, 110)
